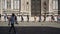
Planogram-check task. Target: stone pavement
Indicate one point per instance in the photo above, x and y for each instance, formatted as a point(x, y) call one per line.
point(31, 28)
point(50, 24)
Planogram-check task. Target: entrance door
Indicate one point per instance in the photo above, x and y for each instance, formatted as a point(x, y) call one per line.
point(35, 7)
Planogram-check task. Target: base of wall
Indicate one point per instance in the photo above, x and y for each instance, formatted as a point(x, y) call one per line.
point(31, 18)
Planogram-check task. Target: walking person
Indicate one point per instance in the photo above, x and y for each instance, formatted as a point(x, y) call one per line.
point(16, 19)
point(34, 18)
point(58, 19)
point(44, 18)
point(12, 20)
point(5, 17)
point(52, 18)
point(39, 18)
point(8, 18)
point(0, 17)
point(27, 18)
point(22, 18)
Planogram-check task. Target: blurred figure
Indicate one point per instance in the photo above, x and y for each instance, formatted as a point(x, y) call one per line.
point(16, 19)
point(8, 17)
point(52, 18)
point(44, 18)
point(5, 17)
point(34, 18)
point(39, 18)
point(0, 17)
point(58, 18)
point(27, 18)
point(12, 20)
point(22, 18)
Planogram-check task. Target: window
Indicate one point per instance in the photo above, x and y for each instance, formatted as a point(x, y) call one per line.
point(3, 4)
point(8, 4)
point(15, 4)
point(55, 4)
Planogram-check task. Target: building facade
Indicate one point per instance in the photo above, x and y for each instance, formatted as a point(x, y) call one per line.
point(30, 7)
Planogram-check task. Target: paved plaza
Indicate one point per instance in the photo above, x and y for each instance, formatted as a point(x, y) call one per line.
point(32, 28)
point(32, 23)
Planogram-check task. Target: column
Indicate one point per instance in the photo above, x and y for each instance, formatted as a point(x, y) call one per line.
point(22, 5)
point(11, 4)
point(30, 7)
point(42, 10)
point(25, 6)
point(1, 6)
point(5, 4)
point(50, 6)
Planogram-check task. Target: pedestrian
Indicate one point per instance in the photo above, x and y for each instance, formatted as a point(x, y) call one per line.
point(58, 18)
point(52, 18)
point(12, 20)
point(0, 17)
point(16, 19)
point(27, 18)
point(39, 18)
point(44, 18)
point(22, 18)
point(5, 17)
point(35, 18)
point(8, 18)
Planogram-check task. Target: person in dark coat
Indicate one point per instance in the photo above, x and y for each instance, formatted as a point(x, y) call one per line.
point(22, 18)
point(44, 18)
point(16, 19)
point(39, 18)
point(0, 16)
point(27, 18)
point(52, 18)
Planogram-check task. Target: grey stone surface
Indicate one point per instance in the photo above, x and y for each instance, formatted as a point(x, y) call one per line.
point(50, 24)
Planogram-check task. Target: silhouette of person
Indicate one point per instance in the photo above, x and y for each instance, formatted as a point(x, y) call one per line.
point(0, 16)
point(12, 20)
point(27, 18)
point(52, 18)
point(39, 18)
point(8, 17)
point(35, 18)
point(44, 18)
point(22, 18)
point(58, 18)
point(16, 19)
point(5, 17)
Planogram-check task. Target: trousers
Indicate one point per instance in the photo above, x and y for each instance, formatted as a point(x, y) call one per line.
point(12, 26)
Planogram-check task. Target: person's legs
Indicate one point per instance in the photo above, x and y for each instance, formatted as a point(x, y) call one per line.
point(10, 28)
point(27, 19)
point(14, 28)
